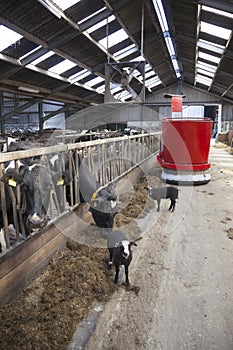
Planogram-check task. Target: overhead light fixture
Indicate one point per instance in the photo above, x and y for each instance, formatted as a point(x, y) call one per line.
point(24, 88)
point(158, 6)
point(161, 15)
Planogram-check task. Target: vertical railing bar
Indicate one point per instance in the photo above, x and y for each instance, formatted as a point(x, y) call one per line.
point(4, 210)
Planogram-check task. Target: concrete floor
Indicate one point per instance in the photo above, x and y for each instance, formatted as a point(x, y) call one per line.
point(184, 267)
point(195, 304)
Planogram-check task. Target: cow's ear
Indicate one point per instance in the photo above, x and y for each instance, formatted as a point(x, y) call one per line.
point(12, 178)
point(133, 243)
point(64, 179)
point(61, 182)
point(93, 197)
point(12, 182)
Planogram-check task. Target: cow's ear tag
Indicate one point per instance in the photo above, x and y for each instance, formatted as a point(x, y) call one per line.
point(12, 182)
point(94, 196)
point(95, 204)
point(60, 182)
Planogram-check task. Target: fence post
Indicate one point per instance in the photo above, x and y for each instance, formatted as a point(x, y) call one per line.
point(4, 211)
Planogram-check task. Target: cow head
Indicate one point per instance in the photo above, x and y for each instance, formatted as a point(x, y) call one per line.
point(125, 248)
point(36, 184)
point(102, 200)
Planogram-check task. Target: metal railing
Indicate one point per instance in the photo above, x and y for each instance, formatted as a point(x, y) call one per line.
point(107, 159)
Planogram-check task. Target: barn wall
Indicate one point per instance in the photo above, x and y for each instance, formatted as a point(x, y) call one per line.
point(148, 116)
point(227, 113)
point(193, 96)
point(112, 113)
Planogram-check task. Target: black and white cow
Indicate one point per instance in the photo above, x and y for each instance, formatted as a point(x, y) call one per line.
point(120, 253)
point(159, 193)
point(102, 201)
point(36, 184)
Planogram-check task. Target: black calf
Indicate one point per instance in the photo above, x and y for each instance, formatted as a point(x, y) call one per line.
point(163, 193)
point(120, 253)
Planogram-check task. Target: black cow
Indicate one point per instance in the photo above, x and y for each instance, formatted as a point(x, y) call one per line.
point(36, 183)
point(103, 204)
point(103, 207)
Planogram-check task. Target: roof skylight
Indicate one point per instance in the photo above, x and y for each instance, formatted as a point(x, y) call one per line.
point(8, 37)
point(218, 12)
point(42, 58)
point(209, 51)
point(100, 24)
point(125, 52)
point(208, 57)
point(65, 4)
point(211, 29)
point(113, 38)
point(80, 75)
point(206, 66)
point(91, 15)
point(30, 52)
point(203, 80)
point(94, 81)
point(62, 67)
point(207, 45)
point(205, 72)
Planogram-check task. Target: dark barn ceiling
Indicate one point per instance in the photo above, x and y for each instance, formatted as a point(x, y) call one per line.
point(65, 35)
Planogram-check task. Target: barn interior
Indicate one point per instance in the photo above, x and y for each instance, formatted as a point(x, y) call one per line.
point(92, 82)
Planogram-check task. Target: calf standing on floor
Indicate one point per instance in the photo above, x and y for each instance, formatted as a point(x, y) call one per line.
point(120, 253)
point(159, 193)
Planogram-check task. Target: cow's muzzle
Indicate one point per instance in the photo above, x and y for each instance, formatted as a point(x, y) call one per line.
point(37, 221)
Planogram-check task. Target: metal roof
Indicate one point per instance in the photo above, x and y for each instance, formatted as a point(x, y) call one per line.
point(192, 43)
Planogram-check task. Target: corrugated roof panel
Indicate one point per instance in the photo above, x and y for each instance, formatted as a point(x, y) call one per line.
point(84, 9)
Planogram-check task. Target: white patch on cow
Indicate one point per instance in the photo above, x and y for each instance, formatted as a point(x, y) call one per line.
point(2, 239)
point(10, 139)
point(36, 165)
point(11, 165)
point(35, 217)
point(12, 231)
point(53, 159)
point(113, 204)
point(125, 244)
point(149, 190)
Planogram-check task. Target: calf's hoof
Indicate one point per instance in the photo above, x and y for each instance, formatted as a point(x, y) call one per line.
point(115, 281)
point(110, 266)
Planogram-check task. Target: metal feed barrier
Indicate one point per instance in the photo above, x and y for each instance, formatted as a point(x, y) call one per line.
point(107, 159)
